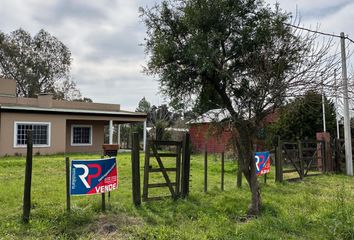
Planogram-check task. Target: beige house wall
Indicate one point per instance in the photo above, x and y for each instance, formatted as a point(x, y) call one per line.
point(8, 87)
point(97, 136)
point(60, 131)
point(57, 135)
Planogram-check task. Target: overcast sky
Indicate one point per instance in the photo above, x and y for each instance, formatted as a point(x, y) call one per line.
point(104, 38)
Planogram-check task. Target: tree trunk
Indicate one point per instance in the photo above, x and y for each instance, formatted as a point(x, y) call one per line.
point(254, 207)
point(246, 157)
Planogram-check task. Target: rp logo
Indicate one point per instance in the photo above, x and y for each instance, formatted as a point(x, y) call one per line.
point(86, 174)
point(259, 162)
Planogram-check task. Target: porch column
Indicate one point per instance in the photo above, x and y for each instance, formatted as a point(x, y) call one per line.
point(144, 138)
point(119, 134)
point(110, 131)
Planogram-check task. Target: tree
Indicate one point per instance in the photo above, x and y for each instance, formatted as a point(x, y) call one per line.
point(160, 118)
point(244, 50)
point(39, 64)
point(143, 106)
point(302, 118)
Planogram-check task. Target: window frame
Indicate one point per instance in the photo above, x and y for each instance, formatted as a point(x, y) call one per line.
point(72, 135)
point(17, 123)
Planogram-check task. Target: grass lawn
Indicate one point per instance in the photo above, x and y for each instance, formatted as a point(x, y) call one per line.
point(320, 207)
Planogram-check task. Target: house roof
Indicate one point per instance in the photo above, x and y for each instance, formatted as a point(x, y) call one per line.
point(17, 108)
point(45, 104)
point(212, 116)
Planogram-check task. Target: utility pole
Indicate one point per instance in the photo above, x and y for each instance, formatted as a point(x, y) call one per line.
point(336, 93)
point(323, 107)
point(347, 134)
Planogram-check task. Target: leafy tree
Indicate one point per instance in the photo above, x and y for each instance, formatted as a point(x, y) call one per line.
point(39, 64)
point(143, 106)
point(242, 50)
point(302, 118)
point(161, 118)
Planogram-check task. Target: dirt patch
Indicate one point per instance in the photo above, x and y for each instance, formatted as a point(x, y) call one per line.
point(112, 226)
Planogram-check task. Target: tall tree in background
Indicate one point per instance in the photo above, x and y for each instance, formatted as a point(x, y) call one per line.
point(158, 117)
point(39, 64)
point(302, 118)
point(243, 51)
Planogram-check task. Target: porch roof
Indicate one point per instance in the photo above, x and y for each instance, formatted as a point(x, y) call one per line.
point(66, 111)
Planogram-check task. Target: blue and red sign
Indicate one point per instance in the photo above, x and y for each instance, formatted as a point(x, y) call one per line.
point(262, 163)
point(93, 176)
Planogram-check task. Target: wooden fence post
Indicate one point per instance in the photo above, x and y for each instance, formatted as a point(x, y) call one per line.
point(206, 170)
point(28, 179)
point(135, 157)
point(239, 175)
point(185, 166)
point(279, 161)
point(67, 170)
point(324, 156)
point(146, 171)
point(301, 159)
point(222, 170)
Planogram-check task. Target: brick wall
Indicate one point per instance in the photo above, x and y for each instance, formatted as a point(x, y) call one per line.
point(205, 134)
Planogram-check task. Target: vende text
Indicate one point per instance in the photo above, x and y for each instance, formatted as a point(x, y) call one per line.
point(106, 188)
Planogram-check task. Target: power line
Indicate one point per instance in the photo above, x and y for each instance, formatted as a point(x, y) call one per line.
point(318, 32)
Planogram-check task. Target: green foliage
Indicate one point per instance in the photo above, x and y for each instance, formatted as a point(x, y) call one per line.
point(302, 118)
point(39, 64)
point(237, 54)
point(158, 117)
point(143, 106)
point(304, 210)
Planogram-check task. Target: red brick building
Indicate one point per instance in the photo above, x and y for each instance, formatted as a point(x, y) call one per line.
point(212, 131)
point(208, 132)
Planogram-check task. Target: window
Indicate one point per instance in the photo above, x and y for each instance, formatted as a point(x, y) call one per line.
point(40, 133)
point(81, 135)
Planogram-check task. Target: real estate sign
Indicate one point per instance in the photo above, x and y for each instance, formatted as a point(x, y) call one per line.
point(262, 163)
point(93, 176)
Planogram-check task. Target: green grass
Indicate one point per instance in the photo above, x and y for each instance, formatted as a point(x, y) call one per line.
point(321, 207)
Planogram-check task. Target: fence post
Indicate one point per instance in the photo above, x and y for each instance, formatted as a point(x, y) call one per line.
point(67, 169)
point(28, 179)
point(239, 174)
point(301, 159)
point(222, 170)
point(206, 170)
point(185, 166)
point(135, 156)
point(146, 171)
point(279, 161)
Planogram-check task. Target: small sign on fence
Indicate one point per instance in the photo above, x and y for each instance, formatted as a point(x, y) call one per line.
point(262, 163)
point(93, 176)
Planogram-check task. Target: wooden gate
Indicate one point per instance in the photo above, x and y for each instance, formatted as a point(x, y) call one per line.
point(296, 160)
point(162, 152)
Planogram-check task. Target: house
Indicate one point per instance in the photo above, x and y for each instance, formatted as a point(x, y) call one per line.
point(212, 131)
point(58, 126)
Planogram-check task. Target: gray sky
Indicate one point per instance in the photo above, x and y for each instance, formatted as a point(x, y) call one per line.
point(104, 38)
